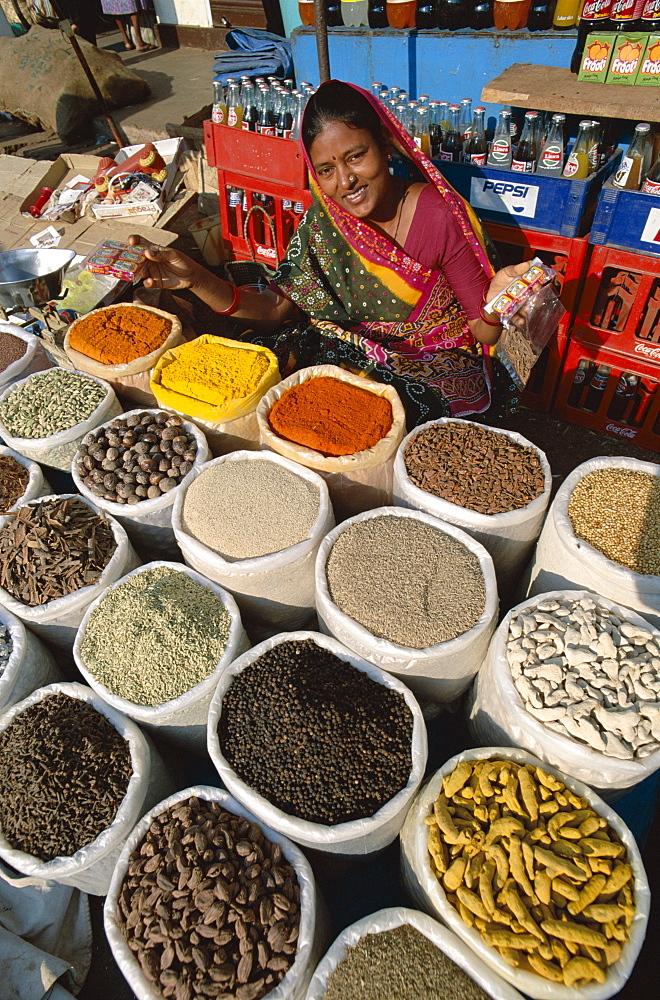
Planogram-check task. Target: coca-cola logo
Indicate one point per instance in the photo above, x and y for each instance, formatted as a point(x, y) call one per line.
point(594, 9)
point(268, 252)
point(650, 352)
point(620, 8)
point(626, 432)
point(595, 65)
point(624, 68)
point(651, 10)
point(651, 66)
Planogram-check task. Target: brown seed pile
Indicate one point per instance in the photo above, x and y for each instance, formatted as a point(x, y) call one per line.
point(14, 479)
point(11, 349)
point(618, 512)
point(209, 906)
point(52, 548)
point(64, 770)
point(138, 457)
point(474, 467)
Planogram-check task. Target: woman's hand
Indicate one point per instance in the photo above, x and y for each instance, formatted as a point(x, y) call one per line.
point(171, 269)
point(504, 276)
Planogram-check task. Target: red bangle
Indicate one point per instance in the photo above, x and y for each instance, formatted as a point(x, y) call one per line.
point(488, 322)
point(233, 305)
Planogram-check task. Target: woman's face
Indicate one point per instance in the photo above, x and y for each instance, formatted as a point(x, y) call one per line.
point(351, 168)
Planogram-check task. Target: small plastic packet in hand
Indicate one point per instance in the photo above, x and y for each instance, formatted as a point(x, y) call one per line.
point(117, 259)
point(530, 310)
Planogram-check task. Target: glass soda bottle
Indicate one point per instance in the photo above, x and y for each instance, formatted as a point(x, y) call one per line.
point(577, 164)
point(652, 183)
point(377, 87)
point(332, 15)
point(500, 148)
point(355, 13)
point(650, 17)
point(421, 130)
point(475, 147)
point(427, 14)
point(623, 15)
point(551, 158)
point(266, 121)
point(219, 110)
point(435, 127)
point(377, 14)
point(540, 15)
point(401, 13)
point(299, 101)
point(524, 158)
point(451, 149)
point(285, 121)
point(249, 108)
point(630, 173)
point(465, 120)
point(595, 141)
point(482, 15)
point(234, 109)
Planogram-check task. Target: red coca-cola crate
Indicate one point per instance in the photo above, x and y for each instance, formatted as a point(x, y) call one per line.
point(249, 232)
point(609, 392)
point(567, 255)
point(262, 157)
point(619, 308)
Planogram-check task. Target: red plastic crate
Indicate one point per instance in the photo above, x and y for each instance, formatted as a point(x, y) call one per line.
point(261, 157)
point(567, 255)
point(620, 304)
point(623, 401)
point(264, 243)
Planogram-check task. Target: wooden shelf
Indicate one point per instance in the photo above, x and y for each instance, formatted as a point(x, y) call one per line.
point(555, 88)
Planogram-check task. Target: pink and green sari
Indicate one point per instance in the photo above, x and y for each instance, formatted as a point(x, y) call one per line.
point(376, 310)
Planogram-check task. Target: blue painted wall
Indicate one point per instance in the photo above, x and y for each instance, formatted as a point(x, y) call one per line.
point(446, 65)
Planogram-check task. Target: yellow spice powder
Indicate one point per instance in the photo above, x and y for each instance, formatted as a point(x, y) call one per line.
point(214, 373)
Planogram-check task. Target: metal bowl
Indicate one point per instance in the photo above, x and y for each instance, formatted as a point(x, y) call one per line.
point(32, 277)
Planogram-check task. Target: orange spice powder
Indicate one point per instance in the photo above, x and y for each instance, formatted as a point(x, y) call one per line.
point(330, 416)
point(116, 336)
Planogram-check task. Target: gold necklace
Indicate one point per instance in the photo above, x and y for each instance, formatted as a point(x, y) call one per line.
point(398, 221)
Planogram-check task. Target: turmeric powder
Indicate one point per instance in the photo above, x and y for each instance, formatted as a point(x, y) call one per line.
point(331, 416)
point(215, 373)
point(119, 334)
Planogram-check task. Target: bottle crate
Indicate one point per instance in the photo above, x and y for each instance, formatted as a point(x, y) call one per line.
point(629, 220)
point(567, 255)
point(619, 308)
point(261, 157)
point(609, 392)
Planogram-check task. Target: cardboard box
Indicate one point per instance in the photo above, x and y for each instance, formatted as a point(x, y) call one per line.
point(626, 57)
point(171, 150)
point(596, 57)
point(55, 175)
point(648, 74)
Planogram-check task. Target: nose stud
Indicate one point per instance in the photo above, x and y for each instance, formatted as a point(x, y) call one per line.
point(352, 179)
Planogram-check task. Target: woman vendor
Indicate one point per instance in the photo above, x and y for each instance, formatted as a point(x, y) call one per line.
point(384, 275)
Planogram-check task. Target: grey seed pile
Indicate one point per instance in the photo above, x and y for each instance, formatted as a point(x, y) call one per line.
point(6, 647)
point(406, 581)
point(314, 735)
point(209, 906)
point(474, 467)
point(155, 636)
point(243, 509)
point(50, 401)
point(135, 458)
point(618, 512)
point(64, 770)
point(400, 964)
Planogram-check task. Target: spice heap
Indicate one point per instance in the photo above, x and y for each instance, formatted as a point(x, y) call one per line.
point(330, 416)
point(214, 372)
point(64, 771)
point(52, 548)
point(314, 735)
point(587, 673)
point(11, 349)
point(474, 467)
point(400, 963)
point(247, 508)
point(138, 457)
point(119, 334)
point(6, 647)
point(209, 906)
point(155, 636)
point(618, 512)
point(405, 581)
point(50, 401)
point(533, 868)
point(14, 479)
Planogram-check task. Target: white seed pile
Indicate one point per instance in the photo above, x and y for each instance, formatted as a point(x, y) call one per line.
point(586, 673)
point(618, 512)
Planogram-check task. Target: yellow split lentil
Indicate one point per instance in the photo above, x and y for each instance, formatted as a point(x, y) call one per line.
point(214, 373)
point(618, 512)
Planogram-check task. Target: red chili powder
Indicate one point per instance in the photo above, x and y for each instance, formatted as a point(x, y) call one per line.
point(330, 416)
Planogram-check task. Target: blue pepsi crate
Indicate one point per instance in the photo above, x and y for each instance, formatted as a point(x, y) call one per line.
point(548, 204)
point(629, 220)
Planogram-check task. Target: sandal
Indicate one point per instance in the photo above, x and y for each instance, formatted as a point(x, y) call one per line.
point(128, 46)
point(145, 48)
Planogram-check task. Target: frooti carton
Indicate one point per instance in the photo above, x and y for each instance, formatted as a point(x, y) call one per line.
point(626, 58)
point(598, 49)
point(648, 74)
